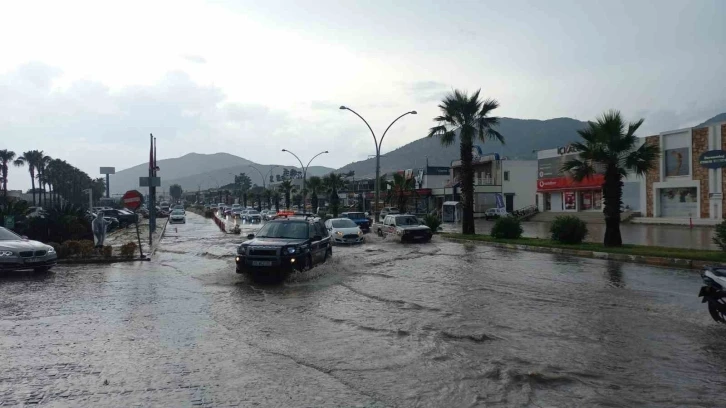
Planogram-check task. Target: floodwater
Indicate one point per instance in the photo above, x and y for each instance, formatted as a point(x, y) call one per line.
point(383, 324)
point(674, 236)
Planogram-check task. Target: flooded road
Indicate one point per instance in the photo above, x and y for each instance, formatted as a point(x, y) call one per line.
point(381, 325)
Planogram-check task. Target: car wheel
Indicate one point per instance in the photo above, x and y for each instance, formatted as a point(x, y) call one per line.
point(380, 233)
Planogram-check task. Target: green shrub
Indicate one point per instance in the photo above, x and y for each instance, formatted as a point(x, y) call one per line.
point(86, 248)
point(432, 222)
point(568, 229)
point(128, 249)
point(72, 247)
point(719, 236)
point(107, 251)
point(507, 228)
point(208, 213)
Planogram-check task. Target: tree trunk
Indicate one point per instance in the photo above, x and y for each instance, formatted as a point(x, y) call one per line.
point(32, 183)
point(612, 200)
point(466, 185)
point(314, 201)
point(287, 199)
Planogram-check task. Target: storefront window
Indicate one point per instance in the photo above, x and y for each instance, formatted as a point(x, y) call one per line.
point(569, 198)
point(586, 200)
point(597, 200)
point(547, 201)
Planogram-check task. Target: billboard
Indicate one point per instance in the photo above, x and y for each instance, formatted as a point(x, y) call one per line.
point(551, 177)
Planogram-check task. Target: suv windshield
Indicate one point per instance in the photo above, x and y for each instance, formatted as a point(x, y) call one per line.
point(407, 221)
point(284, 229)
point(343, 224)
point(355, 215)
point(6, 235)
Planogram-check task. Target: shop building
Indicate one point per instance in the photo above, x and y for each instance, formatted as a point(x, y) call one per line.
point(558, 192)
point(688, 181)
point(496, 176)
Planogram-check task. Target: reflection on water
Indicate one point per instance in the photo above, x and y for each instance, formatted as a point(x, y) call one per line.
point(675, 236)
point(614, 271)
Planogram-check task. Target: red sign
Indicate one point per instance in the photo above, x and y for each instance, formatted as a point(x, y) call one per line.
point(563, 183)
point(132, 199)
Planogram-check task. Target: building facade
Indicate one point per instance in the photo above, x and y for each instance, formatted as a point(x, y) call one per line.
point(558, 192)
point(688, 181)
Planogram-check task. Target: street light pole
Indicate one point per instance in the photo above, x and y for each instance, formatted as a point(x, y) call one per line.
point(305, 171)
point(378, 144)
point(264, 176)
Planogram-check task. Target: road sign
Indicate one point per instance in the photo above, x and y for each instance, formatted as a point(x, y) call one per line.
point(9, 221)
point(132, 199)
point(144, 182)
point(107, 170)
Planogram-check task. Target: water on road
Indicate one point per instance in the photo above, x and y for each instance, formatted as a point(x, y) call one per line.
point(383, 324)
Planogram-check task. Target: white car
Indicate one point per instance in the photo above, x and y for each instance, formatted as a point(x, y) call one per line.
point(494, 213)
point(344, 231)
point(177, 216)
point(18, 253)
point(388, 211)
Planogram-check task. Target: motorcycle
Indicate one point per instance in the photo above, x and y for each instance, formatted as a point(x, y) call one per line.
point(714, 292)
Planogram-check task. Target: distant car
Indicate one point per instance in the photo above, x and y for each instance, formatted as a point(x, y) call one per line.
point(494, 213)
point(253, 216)
point(359, 218)
point(18, 253)
point(177, 216)
point(405, 226)
point(179, 207)
point(389, 211)
point(124, 217)
point(344, 231)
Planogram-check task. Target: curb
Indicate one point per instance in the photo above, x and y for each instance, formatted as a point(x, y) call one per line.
point(98, 261)
point(161, 236)
point(640, 259)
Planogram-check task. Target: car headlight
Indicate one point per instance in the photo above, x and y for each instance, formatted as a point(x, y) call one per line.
point(6, 253)
point(338, 233)
point(51, 250)
point(291, 250)
point(360, 233)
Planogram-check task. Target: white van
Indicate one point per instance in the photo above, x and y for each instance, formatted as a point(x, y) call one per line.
point(494, 213)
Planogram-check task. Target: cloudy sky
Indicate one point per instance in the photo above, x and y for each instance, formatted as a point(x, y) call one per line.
point(87, 81)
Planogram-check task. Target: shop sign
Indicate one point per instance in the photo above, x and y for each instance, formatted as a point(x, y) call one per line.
point(559, 183)
point(715, 196)
point(713, 159)
point(569, 149)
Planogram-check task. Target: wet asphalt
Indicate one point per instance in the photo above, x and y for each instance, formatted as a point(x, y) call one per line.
point(383, 324)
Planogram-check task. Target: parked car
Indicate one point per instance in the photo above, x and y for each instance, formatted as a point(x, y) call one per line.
point(344, 231)
point(405, 226)
point(179, 207)
point(177, 216)
point(389, 211)
point(283, 246)
point(124, 217)
point(359, 218)
point(19, 253)
point(494, 213)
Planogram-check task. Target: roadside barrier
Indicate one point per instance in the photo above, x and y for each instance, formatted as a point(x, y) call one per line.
point(221, 224)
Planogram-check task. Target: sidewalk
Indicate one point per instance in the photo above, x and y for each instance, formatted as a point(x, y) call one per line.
point(123, 235)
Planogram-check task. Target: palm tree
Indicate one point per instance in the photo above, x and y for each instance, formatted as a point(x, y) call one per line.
point(286, 188)
point(43, 162)
point(401, 189)
point(470, 117)
point(32, 158)
point(6, 157)
point(314, 184)
point(175, 191)
point(611, 145)
point(332, 183)
point(267, 194)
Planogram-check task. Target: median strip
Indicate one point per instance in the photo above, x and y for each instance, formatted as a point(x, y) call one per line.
point(659, 256)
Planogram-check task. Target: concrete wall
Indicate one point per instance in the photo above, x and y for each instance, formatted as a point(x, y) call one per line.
point(522, 181)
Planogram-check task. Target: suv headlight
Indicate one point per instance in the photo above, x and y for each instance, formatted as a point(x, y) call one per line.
point(6, 253)
point(291, 250)
point(338, 233)
point(51, 250)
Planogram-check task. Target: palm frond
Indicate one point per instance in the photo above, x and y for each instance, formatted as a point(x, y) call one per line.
point(643, 159)
point(579, 169)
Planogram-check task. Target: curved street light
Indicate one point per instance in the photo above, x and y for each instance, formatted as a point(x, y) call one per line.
point(305, 171)
point(264, 176)
point(378, 144)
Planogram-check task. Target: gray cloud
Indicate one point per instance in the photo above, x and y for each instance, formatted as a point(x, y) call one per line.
point(197, 59)
point(426, 91)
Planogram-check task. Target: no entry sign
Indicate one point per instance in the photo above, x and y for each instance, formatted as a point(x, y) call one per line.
point(132, 199)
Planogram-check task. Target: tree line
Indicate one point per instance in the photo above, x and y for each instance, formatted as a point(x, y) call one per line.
point(57, 180)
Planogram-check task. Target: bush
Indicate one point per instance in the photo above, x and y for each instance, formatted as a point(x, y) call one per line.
point(208, 213)
point(72, 247)
point(507, 228)
point(719, 236)
point(432, 222)
point(107, 251)
point(568, 229)
point(128, 249)
point(86, 248)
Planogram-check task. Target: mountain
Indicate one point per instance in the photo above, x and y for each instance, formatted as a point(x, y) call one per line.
point(716, 119)
point(521, 137)
point(194, 169)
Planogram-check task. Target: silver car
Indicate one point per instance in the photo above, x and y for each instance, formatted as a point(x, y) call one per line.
point(18, 253)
